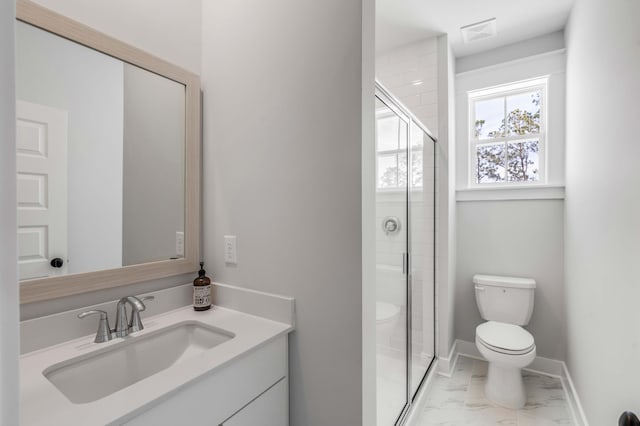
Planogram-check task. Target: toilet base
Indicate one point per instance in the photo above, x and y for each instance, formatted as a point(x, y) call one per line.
point(505, 386)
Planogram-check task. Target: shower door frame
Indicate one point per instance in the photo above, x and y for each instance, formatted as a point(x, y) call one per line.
point(403, 113)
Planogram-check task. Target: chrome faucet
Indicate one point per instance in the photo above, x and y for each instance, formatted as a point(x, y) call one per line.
point(104, 333)
point(123, 327)
point(135, 323)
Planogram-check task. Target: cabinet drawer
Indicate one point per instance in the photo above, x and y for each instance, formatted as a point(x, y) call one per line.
point(269, 409)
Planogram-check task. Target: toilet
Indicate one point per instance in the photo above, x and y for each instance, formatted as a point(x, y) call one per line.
point(506, 303)
point(387, 315)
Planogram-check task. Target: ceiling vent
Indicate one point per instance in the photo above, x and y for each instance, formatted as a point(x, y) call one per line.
point(479, 30)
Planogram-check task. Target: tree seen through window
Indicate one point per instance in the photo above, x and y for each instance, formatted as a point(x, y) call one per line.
point(507, 130)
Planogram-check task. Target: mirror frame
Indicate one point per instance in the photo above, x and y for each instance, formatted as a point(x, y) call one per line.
point(40, 289)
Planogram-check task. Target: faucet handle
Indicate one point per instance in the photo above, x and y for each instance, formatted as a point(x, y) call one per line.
point(135, 323)
point(103, 334)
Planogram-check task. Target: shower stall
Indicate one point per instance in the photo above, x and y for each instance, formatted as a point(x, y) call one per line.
point(405, 256)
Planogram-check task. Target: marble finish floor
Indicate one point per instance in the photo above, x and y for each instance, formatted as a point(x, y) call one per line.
point(460, 400)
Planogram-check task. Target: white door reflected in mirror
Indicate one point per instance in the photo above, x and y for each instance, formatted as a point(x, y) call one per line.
point(41, 189)
point(123, 162)
point(132, 158)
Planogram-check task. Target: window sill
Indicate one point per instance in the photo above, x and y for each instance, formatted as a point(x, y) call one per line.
point(537, 192)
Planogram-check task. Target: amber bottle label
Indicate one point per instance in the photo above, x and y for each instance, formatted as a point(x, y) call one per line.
point(201, 296)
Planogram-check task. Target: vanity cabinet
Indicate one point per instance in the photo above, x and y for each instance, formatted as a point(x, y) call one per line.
point(252, 390)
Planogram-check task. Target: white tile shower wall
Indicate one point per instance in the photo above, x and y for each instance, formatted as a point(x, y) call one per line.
point(410, 73)
point(420, 75)
point(389, 247)
point(389, 250)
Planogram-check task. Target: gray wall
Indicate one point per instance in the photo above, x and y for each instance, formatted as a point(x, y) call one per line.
point(282, 87)
point(9, 392)
point(153, 166)
point(603, 206)
point(514, 238)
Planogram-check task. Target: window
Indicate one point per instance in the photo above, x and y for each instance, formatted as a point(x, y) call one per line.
point(391, 152)
point(507, 134)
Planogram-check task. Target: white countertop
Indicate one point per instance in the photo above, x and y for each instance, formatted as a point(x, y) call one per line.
point(41, 403)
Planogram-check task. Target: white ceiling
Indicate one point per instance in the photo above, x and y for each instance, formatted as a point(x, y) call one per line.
point(400, 22)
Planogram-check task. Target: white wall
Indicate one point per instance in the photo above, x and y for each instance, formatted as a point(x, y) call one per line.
point(446, 205)
point(523, 49)
point(55, 72)
point(517, 238)
point(8, 247)
point(282, 85)
point(168, 29)
point(602, 206)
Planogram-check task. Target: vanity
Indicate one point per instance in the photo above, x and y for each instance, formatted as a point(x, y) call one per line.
point(108, 161)
point(217, 367)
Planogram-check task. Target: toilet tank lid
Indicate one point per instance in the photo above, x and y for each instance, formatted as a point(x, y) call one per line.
point(499, 281)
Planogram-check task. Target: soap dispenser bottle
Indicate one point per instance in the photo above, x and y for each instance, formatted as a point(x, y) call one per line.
point(201, 291)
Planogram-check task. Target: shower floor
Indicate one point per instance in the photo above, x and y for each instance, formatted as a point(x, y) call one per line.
point(391, 382)
point(460, 400)
point(391, 386)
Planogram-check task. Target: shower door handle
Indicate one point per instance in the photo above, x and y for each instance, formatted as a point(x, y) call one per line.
point(405, 263)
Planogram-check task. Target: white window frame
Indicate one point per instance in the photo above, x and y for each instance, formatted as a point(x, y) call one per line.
point(524, 86)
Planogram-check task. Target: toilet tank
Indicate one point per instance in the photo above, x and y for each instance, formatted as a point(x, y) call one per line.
point(504, 299)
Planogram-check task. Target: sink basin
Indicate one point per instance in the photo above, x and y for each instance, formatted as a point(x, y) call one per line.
point(93, 376)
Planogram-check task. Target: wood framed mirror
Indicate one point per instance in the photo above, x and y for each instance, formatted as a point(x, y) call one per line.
point(118, 202)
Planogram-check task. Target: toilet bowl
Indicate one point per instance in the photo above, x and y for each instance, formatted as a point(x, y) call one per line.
point(387, 316)
point(507, 304)
point(507, 348)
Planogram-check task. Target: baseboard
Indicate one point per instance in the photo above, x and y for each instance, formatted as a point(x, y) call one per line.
point(541, 365)
point(572, 395)
point(446, 366)
point(548, 366)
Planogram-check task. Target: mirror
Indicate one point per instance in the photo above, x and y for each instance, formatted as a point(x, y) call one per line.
point(107, 157)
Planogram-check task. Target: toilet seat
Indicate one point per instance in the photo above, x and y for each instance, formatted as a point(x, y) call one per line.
point(505, 338)
point(386, 311)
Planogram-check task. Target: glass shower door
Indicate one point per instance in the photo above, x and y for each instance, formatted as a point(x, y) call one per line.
point(421, 246)
point(391, 259)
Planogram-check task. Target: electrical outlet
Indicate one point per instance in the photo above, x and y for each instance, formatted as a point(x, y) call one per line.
point(179, 243)
point(230, 249)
